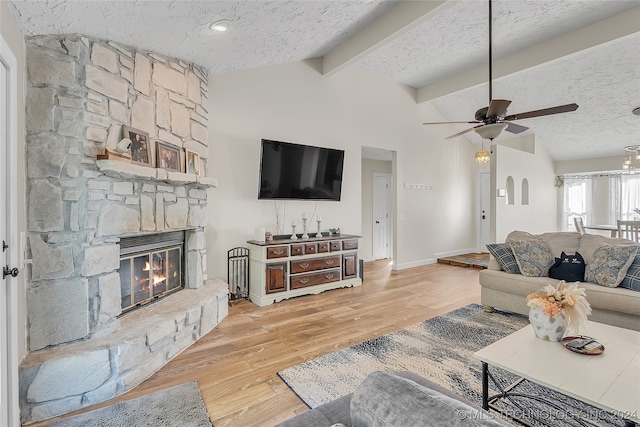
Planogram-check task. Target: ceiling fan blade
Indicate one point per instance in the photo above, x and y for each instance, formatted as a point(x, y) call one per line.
point(447, 123)
point(514, 128)
point(498, 107)
point(462, 133)
point(544, 112)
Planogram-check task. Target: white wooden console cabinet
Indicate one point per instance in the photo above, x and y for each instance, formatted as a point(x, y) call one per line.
point(282, 269)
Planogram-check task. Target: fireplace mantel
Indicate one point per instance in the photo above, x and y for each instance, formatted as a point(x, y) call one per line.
point(118, 169)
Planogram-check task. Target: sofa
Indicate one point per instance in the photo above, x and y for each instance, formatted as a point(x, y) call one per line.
point(610, 303)
point(396, 400)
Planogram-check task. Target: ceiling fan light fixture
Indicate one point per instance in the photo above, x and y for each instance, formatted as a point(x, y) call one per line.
point(491, 131)
point(482, 157)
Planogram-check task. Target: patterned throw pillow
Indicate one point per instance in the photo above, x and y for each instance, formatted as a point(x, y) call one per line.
point(533, 257)
point(504, 255)
point(609, 264)
point(632, 278)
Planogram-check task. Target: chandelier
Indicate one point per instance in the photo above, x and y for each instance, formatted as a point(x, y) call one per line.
point(633, 153)
point(482, 156)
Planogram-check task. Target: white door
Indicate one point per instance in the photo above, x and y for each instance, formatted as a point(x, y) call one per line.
point(381, 215)
point(485, 211)
point(9, 409)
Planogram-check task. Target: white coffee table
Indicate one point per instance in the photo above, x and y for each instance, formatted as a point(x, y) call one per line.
point(609, 381)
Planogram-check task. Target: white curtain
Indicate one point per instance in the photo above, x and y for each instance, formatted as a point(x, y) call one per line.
point(577, 201)
point(629, 198)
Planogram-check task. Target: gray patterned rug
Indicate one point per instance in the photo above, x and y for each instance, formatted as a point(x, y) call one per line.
point(440, 349)
point(179, 406)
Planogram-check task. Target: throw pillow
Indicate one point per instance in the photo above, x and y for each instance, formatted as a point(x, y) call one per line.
point(503, 253)
point(533, 257)
point(632, 278)
point(609, 264)
point(569, 268)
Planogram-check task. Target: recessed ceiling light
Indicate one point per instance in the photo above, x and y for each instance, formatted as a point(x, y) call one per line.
point(220, 26)
point(636, 111)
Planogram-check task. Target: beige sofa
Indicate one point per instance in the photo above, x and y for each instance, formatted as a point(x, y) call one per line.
point(613, 306)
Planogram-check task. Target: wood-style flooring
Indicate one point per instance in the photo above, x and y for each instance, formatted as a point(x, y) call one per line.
point(236, 364)
point(473, 260)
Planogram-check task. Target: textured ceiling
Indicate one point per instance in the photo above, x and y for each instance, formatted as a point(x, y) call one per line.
point(604, 79)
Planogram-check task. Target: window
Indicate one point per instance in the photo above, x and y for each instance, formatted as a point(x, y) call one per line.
point(576, 201)
point(622, 198)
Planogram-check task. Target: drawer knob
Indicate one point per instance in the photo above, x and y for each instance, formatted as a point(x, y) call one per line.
point(329, 276)
point(329, 262)
point(305, 281)
point(304, 265)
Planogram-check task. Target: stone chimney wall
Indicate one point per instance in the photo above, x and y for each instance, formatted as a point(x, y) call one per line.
point(80, 94)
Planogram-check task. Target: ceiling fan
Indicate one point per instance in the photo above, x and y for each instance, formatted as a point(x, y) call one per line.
point(493, 120)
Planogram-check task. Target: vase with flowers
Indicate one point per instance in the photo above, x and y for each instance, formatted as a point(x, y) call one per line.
point(556, 310)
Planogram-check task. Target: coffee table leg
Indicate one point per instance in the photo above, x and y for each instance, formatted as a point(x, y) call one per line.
point(485, 386)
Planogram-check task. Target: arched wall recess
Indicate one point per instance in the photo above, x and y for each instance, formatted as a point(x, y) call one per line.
point(510, 191)
point(525, 191)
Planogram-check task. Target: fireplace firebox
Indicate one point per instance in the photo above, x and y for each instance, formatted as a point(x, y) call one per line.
point(151, 266)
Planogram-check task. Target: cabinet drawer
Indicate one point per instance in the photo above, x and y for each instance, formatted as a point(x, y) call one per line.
point(314, 264)
point(297, 249)
point(317, 278)
point(350, 244)
point(336, 246)
point(277, 252)
point(310, 248)
point(323, 247)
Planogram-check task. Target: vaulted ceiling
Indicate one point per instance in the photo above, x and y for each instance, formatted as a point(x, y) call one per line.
point(546, 53)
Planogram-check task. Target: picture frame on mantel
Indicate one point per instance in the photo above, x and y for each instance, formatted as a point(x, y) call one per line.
point(193, 162)
point(168, 156)
point(140, 146)
point(203, 167)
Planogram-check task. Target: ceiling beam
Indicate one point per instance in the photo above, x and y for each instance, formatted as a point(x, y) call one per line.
point(607, 30)
point(399, 20)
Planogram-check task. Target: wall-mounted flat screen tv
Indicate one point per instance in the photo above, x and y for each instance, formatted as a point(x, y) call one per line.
point(300, 172)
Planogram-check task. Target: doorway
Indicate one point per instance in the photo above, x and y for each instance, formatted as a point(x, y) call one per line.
point(9, 407)
point(378, 204)
point(381, 215)
point(485, 211)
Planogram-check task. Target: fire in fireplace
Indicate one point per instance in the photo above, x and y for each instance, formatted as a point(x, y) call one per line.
point(151, 266)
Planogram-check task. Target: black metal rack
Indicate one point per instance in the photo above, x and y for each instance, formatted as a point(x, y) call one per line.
point(238, 273)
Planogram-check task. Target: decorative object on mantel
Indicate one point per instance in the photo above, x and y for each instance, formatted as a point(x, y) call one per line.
point(140, 149)
point(168, 156)
point(193, 160)
point(294, 236)
point(554, 310)
point(319, 221)
point(122, 152)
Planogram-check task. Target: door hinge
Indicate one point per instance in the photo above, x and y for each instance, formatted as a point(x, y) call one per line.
point(4, 246)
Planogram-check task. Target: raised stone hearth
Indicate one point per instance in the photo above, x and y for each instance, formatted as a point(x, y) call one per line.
point(80, 94)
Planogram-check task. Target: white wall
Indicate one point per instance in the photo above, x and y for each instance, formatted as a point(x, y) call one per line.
point(295, 103)
point(14, 38)
point(368, 168)
point(538, 168)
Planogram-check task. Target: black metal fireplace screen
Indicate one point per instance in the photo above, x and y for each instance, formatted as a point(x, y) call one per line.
point(151, 266)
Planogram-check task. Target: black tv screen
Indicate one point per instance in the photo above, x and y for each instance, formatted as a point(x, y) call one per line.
point(300, 172)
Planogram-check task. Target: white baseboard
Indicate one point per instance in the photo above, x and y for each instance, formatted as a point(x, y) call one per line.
point(412, 264)
point(454, 253)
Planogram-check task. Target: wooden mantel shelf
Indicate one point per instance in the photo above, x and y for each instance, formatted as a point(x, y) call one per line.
point(118, 169)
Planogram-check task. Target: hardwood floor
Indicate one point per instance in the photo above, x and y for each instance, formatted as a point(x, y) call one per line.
point(236, 364)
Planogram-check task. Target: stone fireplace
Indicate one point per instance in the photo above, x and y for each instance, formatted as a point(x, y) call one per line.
point(83, 213)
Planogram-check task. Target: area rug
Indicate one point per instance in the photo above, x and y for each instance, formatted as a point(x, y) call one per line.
point(441, 350)
point(179, 406)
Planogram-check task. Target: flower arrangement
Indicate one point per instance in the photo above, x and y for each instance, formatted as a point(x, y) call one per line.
point(567, 299)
